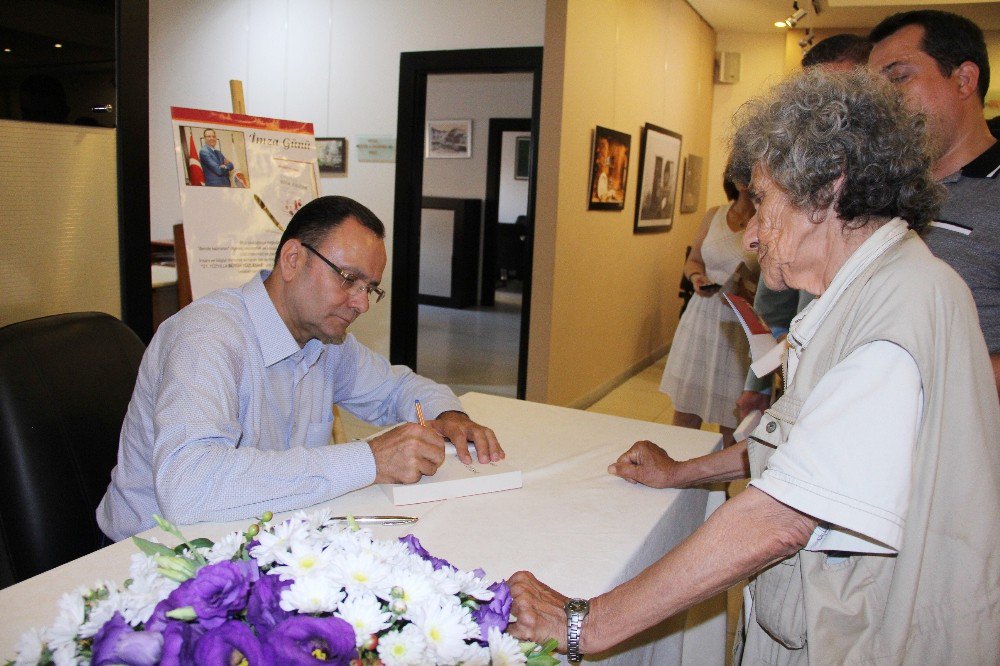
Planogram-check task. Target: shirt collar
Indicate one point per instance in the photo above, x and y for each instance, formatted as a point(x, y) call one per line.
point(807, 322)
point(275, 340)
point(987, 165)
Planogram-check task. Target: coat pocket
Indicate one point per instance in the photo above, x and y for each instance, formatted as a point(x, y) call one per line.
point(778, 604)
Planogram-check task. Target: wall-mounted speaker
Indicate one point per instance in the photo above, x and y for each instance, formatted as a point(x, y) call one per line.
point(727, 67)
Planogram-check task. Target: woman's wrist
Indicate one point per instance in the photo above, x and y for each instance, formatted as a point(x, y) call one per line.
point(693, 275)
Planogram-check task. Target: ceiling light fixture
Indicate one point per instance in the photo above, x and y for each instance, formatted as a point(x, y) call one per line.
point(57, 45)
point(793, 19)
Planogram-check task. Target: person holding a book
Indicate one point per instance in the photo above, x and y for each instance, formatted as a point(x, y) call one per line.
point(709, 355)
point(232, 412)
point(868, 529)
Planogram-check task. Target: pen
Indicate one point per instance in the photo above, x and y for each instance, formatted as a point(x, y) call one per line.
point(263, 207)
point(420, 413)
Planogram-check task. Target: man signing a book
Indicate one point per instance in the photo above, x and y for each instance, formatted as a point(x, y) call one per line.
point(232, 410)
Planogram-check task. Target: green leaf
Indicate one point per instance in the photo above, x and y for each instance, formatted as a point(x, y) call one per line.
point(150, 548)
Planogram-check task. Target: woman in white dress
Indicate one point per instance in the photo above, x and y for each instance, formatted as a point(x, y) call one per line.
point(710, 356)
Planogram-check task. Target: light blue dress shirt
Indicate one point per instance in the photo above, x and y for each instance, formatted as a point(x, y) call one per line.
point(230, 417)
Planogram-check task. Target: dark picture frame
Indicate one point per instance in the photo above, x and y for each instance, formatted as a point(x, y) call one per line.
point(609, 169)
point(331, 153)
point(691, 190)
point(659, 164)
point(522, 157)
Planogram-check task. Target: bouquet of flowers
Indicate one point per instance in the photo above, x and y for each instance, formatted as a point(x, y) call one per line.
point(304, 591)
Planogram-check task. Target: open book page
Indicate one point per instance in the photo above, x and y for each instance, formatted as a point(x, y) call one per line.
point(765, 353)
point(456, 479)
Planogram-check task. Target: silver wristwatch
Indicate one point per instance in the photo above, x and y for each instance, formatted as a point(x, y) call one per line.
point(576, 610)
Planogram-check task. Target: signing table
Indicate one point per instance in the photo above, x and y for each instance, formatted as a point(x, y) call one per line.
point(575, 526)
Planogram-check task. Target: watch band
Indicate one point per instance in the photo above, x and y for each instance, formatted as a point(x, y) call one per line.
point(576, 610)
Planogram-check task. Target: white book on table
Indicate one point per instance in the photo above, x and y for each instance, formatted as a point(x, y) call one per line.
point(456, 479)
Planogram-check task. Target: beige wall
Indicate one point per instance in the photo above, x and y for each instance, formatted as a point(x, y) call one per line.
point(604, 300)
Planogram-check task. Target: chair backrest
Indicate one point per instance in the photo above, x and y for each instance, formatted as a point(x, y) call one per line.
point(65, 384)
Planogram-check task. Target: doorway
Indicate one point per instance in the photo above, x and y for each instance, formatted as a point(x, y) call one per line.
point(414, 71)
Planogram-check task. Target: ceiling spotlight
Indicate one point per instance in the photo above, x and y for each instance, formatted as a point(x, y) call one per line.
point(796, 16)
point(57, 45)
point(807, 41)
point(7, 50)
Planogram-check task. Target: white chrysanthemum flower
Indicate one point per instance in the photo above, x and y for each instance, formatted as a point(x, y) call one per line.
point(29, 648)
point(366, 614)
point(402, 648)
point(356, 572)
point(271, 543)
point(445, 630)
point(102, 611)
point(504, 649)
point(472, 585)
point(225, 548)
point(342, 540)
point(419, 593)
point(303, 559)
point(72, 613)
point(475, 655)
point(311, 594)
point(65, 655)
point(148, 588)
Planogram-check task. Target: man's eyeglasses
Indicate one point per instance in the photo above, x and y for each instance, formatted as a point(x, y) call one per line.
point(353, 284)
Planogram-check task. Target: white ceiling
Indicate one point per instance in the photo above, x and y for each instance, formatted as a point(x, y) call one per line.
point(760, 15)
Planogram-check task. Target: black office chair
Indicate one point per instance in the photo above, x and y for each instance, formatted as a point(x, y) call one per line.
point(65, 384)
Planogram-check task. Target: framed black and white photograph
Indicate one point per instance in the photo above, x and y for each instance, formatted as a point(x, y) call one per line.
point(332, 154)
point(448, 138)
point(659, 162)
point(691, 189)
point(609, 169)
point(522, 158)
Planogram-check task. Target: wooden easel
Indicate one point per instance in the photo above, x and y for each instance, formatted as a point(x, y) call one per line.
point(184, 272)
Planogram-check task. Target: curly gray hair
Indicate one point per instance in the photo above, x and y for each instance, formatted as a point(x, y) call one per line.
point(817, 126)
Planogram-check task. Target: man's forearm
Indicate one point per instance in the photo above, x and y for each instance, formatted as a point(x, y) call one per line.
point(741, 538)
point(729, 464)
point(995, 361)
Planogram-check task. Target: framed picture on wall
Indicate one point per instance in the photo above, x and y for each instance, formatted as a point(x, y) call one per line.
point(522, 158)
point(332, 153)
point(659, 162)
point(448, 138)
point(691, 190)
point(609, 169)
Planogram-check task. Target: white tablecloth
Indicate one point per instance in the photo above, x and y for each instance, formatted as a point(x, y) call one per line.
point(575, 526)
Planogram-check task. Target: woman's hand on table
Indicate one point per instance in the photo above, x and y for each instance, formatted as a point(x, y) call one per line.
point(540, 610)
point(648, 464)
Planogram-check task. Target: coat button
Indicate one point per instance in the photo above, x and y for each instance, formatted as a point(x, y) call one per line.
point(771, 427)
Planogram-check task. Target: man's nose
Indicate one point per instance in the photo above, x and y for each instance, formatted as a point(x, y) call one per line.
point(750, 240)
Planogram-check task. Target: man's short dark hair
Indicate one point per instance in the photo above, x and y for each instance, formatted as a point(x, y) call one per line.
point(844, 47)
point(948, 38)
point(319, 217)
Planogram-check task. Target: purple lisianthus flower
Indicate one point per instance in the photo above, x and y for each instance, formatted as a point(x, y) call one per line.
point(496, 613)
point(413, 543)
point(231, 643)
point(117, 643)
point(215, 592)
point(263, 610)
point(305, 640)
point(179, 641)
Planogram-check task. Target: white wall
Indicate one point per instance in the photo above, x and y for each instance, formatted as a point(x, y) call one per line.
point(334, 63)
point(763, 62)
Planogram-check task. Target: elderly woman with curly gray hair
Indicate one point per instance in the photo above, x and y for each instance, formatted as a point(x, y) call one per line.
point(869, 528)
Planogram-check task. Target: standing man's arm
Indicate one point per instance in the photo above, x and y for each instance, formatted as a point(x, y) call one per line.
point(995, 361)
point(211, 162)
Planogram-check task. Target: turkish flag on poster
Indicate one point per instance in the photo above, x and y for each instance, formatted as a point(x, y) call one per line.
point(195, 175)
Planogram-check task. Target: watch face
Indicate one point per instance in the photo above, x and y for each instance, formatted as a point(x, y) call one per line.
point(577, 605)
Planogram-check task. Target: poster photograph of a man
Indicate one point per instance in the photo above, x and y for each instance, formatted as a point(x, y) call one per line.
point(659, 163)
point(214, 157)
point(609, 169)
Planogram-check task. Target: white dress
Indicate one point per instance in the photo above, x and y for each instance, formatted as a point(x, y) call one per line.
point(709, 357)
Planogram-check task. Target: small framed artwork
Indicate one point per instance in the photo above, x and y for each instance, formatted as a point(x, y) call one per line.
point(332, 154)
point(448, 138)
point(609, 169)
point(691, 190)
point(522, 157)
point(659, 162)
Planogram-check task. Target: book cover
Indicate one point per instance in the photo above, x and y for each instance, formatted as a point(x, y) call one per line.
point(456, 479)
point(765, 353)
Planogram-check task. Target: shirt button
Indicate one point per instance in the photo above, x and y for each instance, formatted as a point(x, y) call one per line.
point(771, 427)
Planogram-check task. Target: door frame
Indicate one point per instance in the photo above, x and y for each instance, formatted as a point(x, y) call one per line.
point(414, 67)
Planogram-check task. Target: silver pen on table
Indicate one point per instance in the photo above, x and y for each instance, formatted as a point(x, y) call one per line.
point(375, 520)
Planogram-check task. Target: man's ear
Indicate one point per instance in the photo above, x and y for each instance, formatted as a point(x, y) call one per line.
point(291, 259)
point(967, 76)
